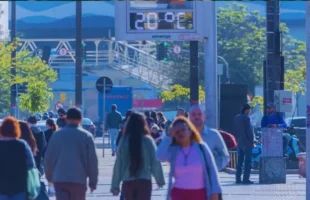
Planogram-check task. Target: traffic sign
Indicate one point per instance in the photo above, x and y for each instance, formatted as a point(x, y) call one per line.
point(177, 49)
point(62, 52)
point(104, 83)
point(58, 105)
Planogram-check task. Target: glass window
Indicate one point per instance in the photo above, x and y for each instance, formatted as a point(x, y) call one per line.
point(301, 123)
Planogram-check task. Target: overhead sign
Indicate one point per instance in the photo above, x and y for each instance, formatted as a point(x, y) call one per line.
point(162, 20)
point(177, 49)
point(62, 52)
point(104, 84)
point(58, 105)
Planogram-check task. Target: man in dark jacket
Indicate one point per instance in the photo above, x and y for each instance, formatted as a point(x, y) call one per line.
point(40, 140)
point(245, 140)
point(61, 121)
point(112, 125)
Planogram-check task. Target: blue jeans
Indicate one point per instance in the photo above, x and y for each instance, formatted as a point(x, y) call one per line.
point(244, 156)
point(113, 135)
point(19, 196)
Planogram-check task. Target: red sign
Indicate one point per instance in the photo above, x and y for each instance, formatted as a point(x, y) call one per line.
point(287, 100)
point(147, 103)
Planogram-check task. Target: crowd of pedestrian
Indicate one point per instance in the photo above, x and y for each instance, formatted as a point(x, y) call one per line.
point(66, 154)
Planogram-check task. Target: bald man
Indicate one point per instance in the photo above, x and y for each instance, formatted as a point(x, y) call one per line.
point(210, 136)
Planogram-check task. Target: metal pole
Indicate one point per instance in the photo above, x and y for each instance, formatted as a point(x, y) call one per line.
point(210, 48)
point(103, 116)
point(194, 80)
point(13, 59)
point(227, 67)
point(78, 55)
point(308, 100)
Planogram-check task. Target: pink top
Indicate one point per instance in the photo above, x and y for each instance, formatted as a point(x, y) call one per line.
point(190, 174)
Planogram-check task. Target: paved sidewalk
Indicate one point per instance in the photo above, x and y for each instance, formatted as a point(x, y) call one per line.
point(294, 189)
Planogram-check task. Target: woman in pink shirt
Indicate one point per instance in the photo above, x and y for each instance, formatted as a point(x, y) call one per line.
point(192, 164)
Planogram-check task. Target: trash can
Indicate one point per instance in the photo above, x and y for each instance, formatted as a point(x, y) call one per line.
point(302, 165)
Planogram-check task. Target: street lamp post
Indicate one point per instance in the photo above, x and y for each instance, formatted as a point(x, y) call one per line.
point(227, 67)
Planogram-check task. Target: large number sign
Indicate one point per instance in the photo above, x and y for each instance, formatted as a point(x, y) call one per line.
point(161, 20)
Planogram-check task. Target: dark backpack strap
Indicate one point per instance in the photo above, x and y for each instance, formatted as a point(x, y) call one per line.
point(279, 119)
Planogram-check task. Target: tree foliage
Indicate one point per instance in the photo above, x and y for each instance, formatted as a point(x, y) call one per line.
point(295, 80)
point(32, 72)
point(258, 101)
point(242, 43)
point(179, 96)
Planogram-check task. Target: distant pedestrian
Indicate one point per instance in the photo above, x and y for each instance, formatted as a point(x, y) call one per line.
point(27, 135)
point(180, 112)
point(51, 128)
point(124, 122)
point(149, 120)
point(243, 132)
point(61, 121)
point(16, 160)
point(156, 135)
point(192, 164)
point(112, 125)
point(274, 119)
point(41, 142)
point(210, 136)
point(136, 163)
point(161, 119)
point(154, 117)
point(70, 159)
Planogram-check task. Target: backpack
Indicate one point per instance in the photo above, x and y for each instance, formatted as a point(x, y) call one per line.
point(229, 139)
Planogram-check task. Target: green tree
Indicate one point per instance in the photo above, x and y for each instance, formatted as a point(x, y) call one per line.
point(242, 42)
point(30, 71)
point(178, 95)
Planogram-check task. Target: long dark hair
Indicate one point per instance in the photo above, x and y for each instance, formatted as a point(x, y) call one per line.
point(135, 129)
point(27, 135)
point(52, 124)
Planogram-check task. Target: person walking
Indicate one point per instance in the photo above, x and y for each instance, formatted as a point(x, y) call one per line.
point(243, 132)
point(161, 119)
point(70, 159)
point(136, 162)
point(51, 128)
point(150, 121)
point(41, 142)
point(192, 164)
point(61, 121)
point(28, 136)
point(16, 163)
point(210, 136)
point(112, 125)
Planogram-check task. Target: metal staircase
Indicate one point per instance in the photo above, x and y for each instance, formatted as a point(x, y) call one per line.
point(140, 63)
point(135, 59)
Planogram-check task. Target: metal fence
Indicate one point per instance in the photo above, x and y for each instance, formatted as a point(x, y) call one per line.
point(233, 159)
